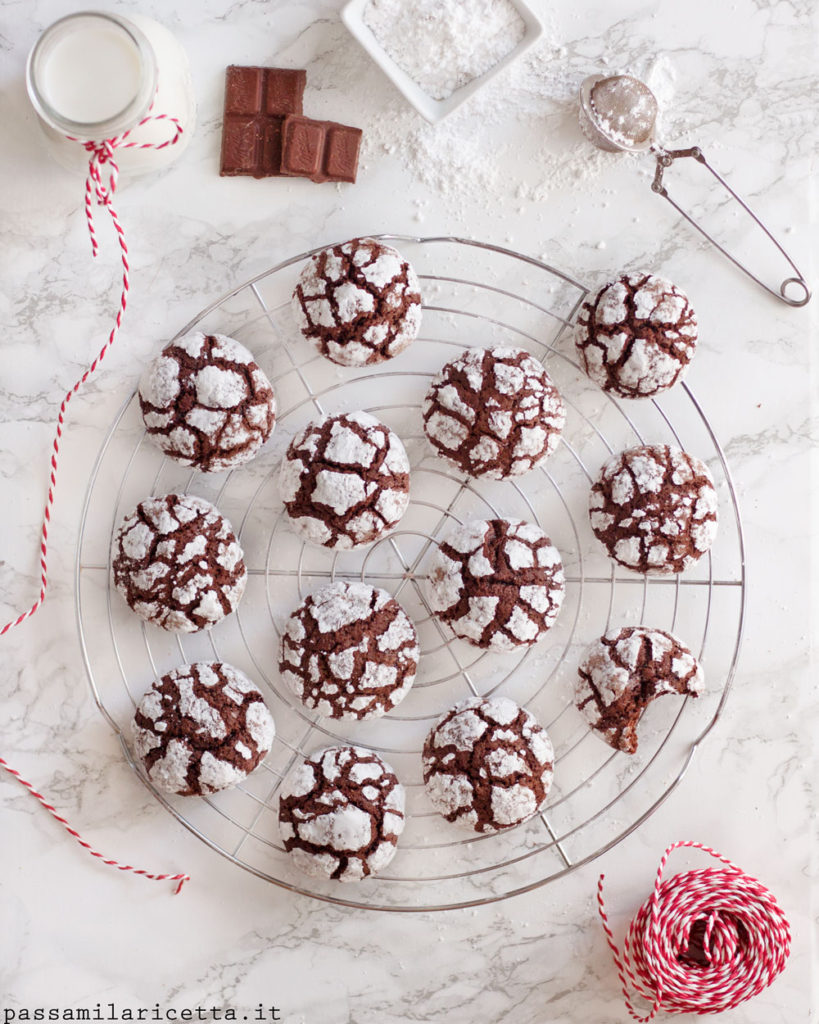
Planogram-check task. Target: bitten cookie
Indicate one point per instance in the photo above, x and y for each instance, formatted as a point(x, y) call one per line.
point(358, 303)
point(178, 564)
point(638, 336)
point(341, 812)
point(202, 728)
point(624, 671)
point(498, 583)
point(349, 651)
point(206, 403)
point(488, 764)
point(494, 412)
point(654, 508)
point(345, 481)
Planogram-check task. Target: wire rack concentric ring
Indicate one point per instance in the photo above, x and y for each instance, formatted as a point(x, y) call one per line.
point(474, 294)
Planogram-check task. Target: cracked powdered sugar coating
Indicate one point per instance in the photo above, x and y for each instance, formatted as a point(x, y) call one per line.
point(494, 412)
point(443, 44)
point(202, 728)
point(206, 403)
point(345, 481)
point(624, 671)
point(638, 336)
point(341, 812)
point(177, 563)
point(498, 583)
point(349, 651)
point(488, 764)
point(654, 508)
point(359, 303)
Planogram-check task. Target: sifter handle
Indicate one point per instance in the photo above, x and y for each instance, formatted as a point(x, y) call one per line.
point(665, 158)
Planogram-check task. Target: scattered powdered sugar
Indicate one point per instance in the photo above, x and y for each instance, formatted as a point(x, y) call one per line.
point(528, 114)
point(444, 44)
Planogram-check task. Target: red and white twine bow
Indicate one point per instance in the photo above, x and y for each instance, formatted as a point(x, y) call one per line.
point(705, 941)
point(101, 156)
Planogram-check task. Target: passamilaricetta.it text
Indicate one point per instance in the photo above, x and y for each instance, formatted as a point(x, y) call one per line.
point(157, 1012)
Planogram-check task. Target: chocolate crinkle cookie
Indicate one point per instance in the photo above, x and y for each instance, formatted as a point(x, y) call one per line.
point(206, 403)
point(498, 583)
point(624, 671)
point(202, 728)
point(488, 764)
point(359, 303)
point(341, 812)
point(177, 563)
point(654, 508)
point(494, 412)
point(349, 651)
point(638, 336)
point(345, 480)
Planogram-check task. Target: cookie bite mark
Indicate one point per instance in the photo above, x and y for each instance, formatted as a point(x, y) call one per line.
point(341, 813)
point(497, 583)
point(345, 481)
point(488, 764)
point(638, 336)
point(654, 508)
point(624, 671)
point(359, 303)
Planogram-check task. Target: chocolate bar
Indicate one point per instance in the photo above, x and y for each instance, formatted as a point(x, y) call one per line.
point(319, 150)
point(257, 102)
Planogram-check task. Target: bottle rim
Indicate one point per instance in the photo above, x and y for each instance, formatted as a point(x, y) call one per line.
point(130, 115)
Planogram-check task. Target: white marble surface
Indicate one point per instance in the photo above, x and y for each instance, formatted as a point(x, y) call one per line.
point(742, 81)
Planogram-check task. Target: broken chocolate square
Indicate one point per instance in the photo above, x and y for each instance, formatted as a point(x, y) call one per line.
point(257, 101)
point(320, 150)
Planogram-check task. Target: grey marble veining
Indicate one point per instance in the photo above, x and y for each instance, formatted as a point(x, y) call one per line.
point(741, 80)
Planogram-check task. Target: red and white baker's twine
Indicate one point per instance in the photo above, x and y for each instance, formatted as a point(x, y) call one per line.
point(181, 878)
point(704, 942)
point(101, 155)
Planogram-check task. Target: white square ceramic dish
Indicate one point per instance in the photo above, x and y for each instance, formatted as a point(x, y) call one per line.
point(435, 110)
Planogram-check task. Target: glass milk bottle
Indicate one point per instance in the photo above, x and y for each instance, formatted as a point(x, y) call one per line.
point(95, 75)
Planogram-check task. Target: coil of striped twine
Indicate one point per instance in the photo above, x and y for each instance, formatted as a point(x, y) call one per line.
point(101, 155)
point(705, 941)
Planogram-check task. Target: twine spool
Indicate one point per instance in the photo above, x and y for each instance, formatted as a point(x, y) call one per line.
point(705, 940)
point(101, 155)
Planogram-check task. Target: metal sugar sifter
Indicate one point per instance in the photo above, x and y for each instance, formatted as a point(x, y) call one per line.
point(619, 114)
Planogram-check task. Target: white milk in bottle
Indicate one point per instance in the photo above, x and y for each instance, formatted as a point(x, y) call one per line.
point(95, 75)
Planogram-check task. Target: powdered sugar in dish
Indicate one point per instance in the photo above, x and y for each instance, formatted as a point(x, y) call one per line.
point(444, 44)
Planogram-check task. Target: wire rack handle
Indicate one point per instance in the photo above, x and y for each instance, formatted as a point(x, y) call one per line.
point(665, 158)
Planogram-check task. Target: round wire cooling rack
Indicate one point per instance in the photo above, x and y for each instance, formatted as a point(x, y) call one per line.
point(474, 294)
